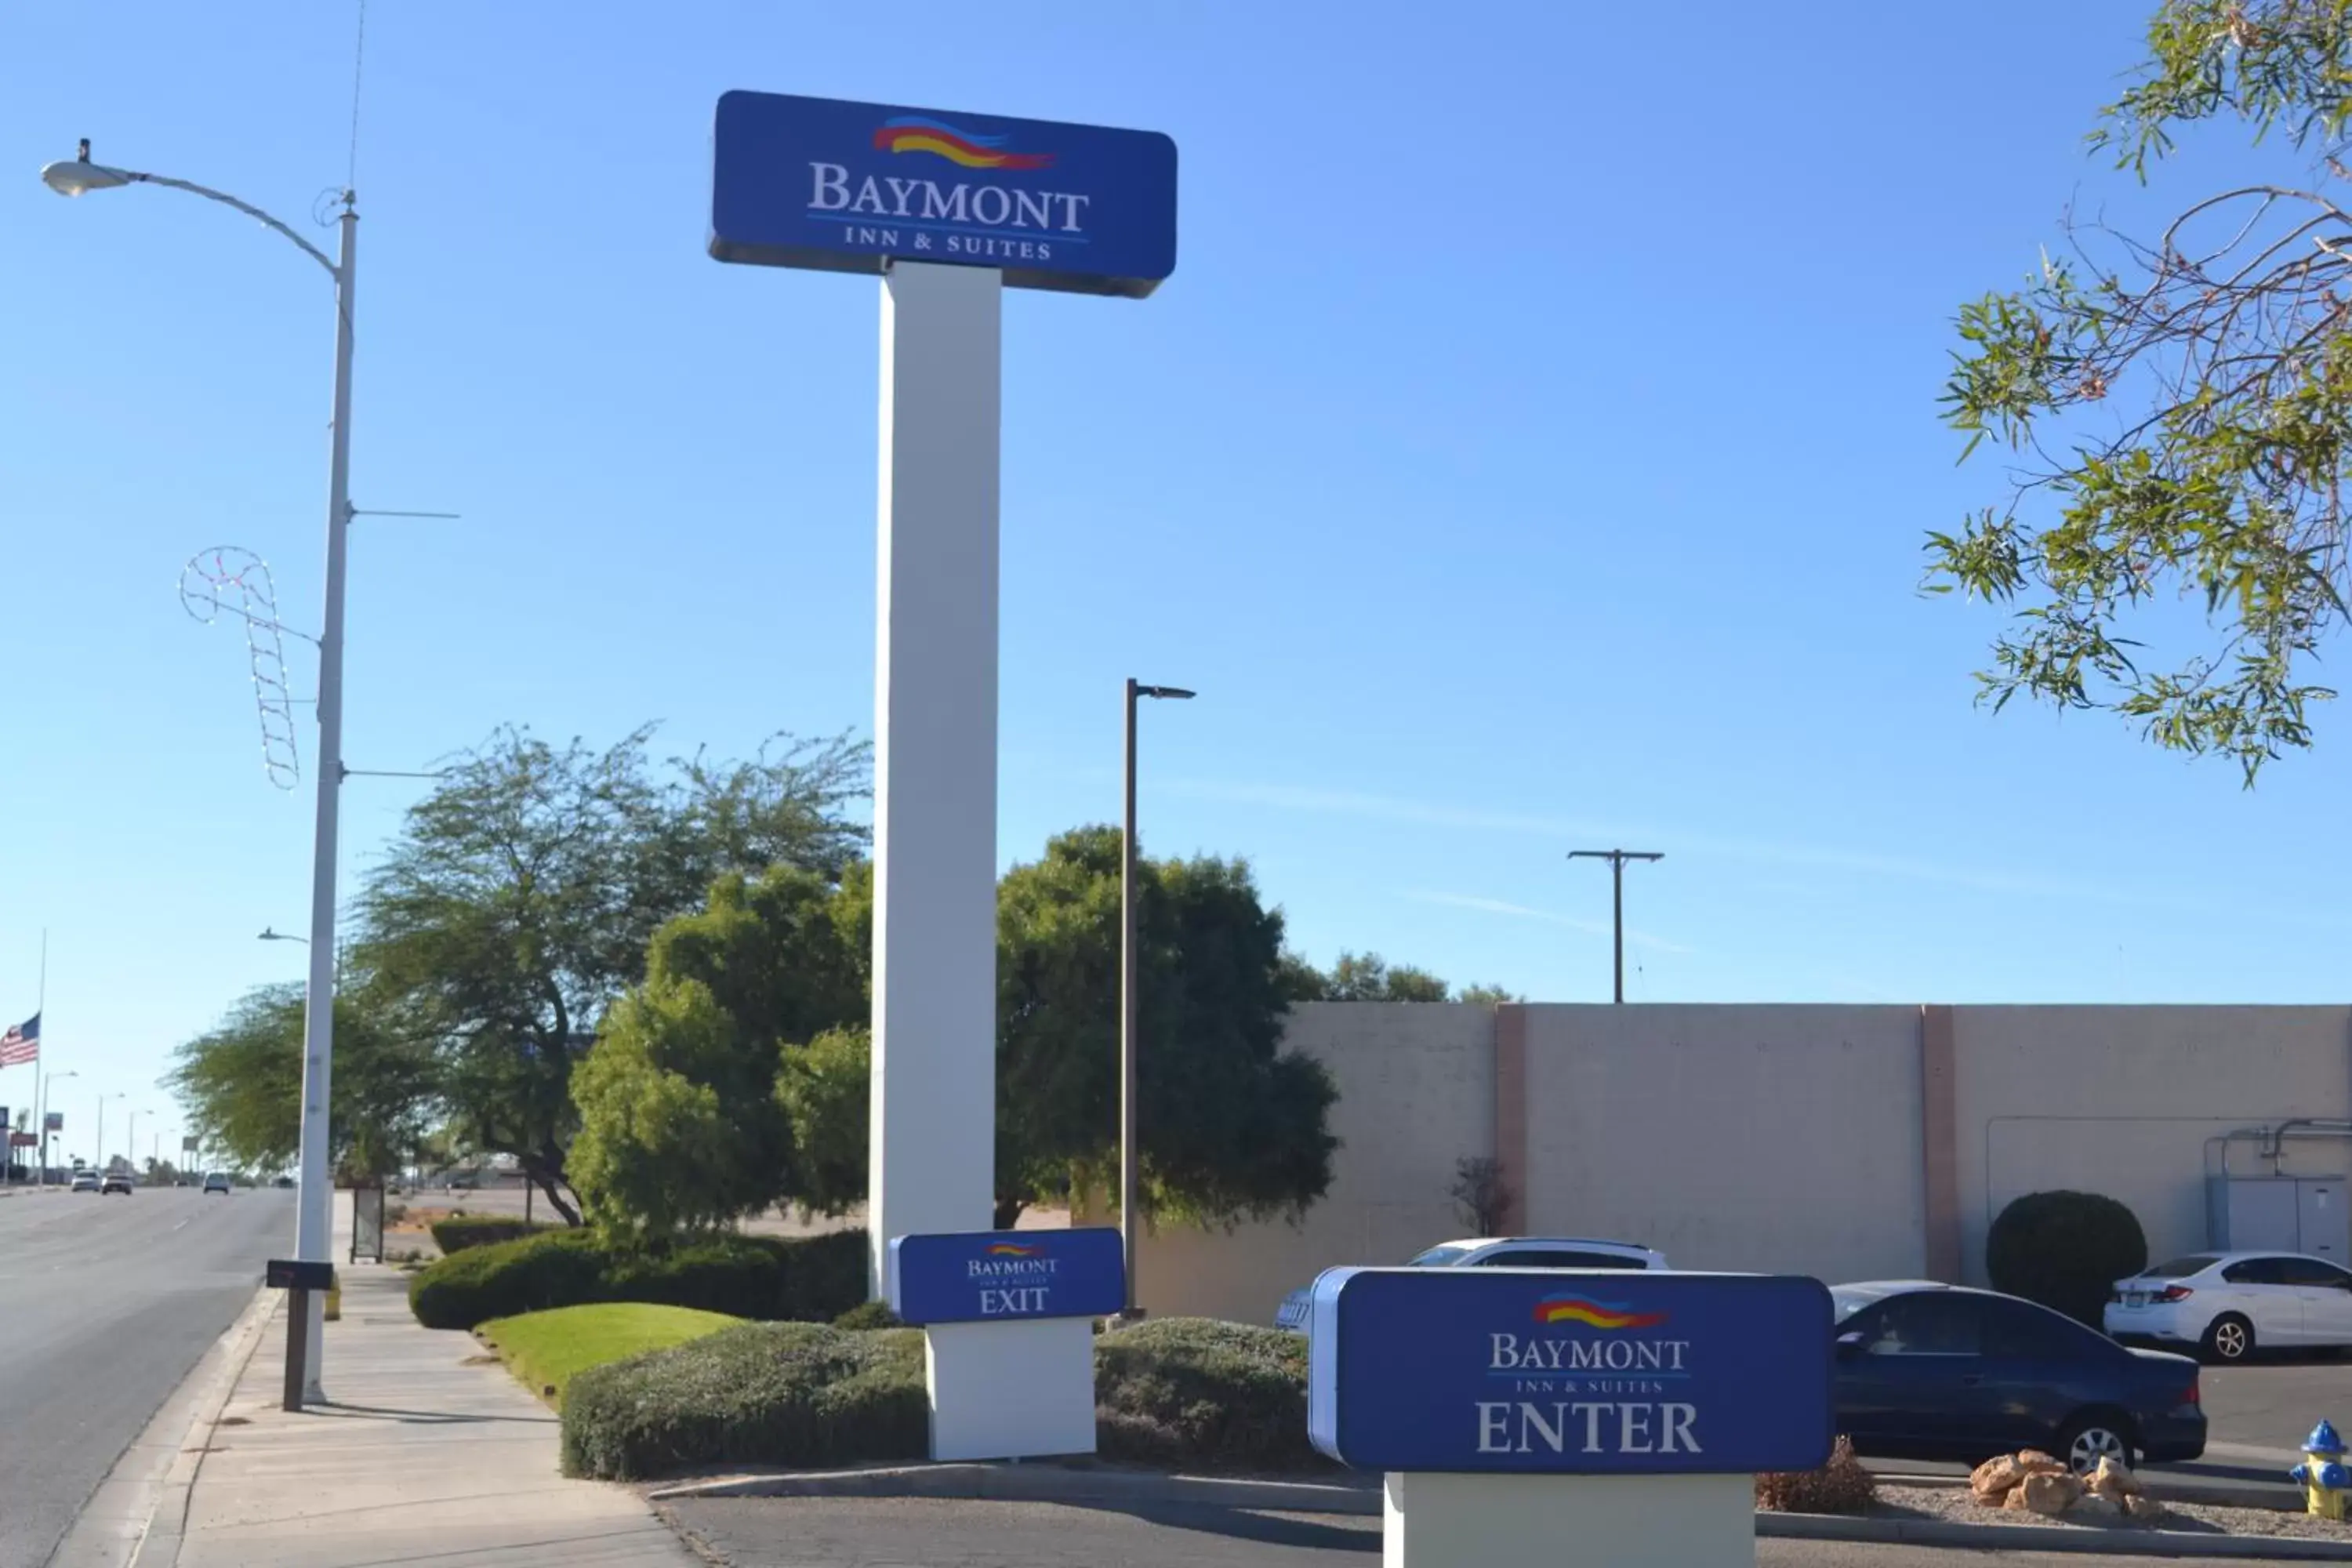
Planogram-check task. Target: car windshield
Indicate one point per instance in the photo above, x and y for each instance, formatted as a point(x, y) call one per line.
point(1439, 1258)
point(1848, 1299)
point(2195, 1263)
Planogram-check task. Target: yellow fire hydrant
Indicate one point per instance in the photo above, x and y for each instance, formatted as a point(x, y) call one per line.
point(2326, 1483)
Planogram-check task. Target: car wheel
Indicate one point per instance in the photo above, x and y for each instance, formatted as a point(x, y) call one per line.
point(2088, 1438)
point(2230, 1338)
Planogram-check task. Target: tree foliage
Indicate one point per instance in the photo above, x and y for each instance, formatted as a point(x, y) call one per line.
point(1229, 1124)
point(521, 895)
point(1369, 977)
point(2180, 406)
point(683, 1126)
point(241, 1083)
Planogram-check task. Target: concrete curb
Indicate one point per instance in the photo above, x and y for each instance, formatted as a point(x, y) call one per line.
point(1037, 1483)
point(2049, 1538)
point(159, 1542)
point(1056, 1483)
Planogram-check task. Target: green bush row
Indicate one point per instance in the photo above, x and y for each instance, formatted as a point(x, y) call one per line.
point(768, 1394)
point(1179, 1390)
point(460, 1232)
point(811, 1279)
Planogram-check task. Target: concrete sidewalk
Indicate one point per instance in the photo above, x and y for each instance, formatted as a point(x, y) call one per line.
point(425, 1455)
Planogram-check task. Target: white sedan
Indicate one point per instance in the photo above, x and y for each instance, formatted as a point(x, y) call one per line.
point(2228, 1304)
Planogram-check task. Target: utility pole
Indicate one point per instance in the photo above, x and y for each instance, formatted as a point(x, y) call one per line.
point(1617, 859)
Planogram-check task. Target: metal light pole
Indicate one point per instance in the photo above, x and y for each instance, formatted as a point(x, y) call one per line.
point(100, 1160)
point(1130, 1000)
point(1617, 859)
point(42, 1110)
point(313, 1213)
point(131, 1142)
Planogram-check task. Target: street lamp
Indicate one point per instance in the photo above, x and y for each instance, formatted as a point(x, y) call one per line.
point(41, 1109)
point(270, 935)
point(1128, 1000)
point(100, 1160)
point(313, 1212)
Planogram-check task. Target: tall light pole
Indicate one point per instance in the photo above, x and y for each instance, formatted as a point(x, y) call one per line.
point(313, 1211)
point(1129, 1001)
point(131, 1141)
point(42, 1110)
point(1617, 859)
point(100, 1160)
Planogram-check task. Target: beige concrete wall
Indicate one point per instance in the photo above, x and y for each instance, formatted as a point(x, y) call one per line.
point(1779, 1138)
point(1417, 1093)
point(2121, 1100)
point(1783, 1138)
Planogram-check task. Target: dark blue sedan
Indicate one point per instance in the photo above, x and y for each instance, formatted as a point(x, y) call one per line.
point(1935, 1371)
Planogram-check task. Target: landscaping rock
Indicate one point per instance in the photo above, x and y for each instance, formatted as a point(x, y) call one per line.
point(2093, 1505)
point(2050, 1495)
point(2114, 1480)
point(1992, 1480)
point(2034, 1462)
point(2142, 1506)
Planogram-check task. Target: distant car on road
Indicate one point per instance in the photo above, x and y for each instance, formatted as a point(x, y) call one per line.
point(216, 1182)
point(1502, 1252)
point(115, 1182)
point(285, 1181)
point(1927, 1370)
point(2229, 1304)
point(85, 1181)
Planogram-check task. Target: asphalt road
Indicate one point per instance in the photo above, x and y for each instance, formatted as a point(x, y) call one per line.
point(105, 1304)
point(774, 1533)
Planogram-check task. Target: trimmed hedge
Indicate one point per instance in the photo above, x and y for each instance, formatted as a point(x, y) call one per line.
point(460, 1232)
point(767, 1393)
point(1180, 1391)
point(1196, 1391)
point(809, 1278)
point(868, 1315)
point(2065, 1250)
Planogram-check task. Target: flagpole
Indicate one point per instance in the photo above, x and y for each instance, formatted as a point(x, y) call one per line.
point(40, 1105)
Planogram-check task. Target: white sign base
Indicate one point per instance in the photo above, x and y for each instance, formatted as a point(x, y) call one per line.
point(1011, 1391)
point(1431, 1521)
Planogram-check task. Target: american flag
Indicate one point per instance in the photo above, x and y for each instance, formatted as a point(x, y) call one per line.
point(21, 1044)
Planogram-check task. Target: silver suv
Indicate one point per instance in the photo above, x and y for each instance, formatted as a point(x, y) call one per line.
point(1502, 1252)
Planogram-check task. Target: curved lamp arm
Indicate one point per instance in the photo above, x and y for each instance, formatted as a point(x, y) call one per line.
point(75, 176)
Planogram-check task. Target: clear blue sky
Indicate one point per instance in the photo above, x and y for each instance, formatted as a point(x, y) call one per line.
point(1531, 452)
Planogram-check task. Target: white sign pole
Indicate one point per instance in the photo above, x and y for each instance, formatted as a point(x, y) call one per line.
point(932, 1161)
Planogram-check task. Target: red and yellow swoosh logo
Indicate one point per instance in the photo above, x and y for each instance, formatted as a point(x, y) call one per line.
point(921, 134)
point(1609, 1315)
point(1009, 1250)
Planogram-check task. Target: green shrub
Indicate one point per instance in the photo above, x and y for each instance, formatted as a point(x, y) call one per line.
point(868, 1315)
point(1195, 1391)
point(1841, 1486)
point(460, 1232)
point(800, 1395)
point(810, 1278)
point(2065, 1250)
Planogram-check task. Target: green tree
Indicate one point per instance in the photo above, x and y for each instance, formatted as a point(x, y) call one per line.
point(1230, 1125)
point(683, 1125)
point(240, 1082)
point(1488, 996)
point(521, 895)
point(826, 1089)
point(1369, 977)
point(2178, 408)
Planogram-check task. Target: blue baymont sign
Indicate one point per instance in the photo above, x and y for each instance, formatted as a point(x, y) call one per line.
point(1005, 1276)
point(1607, 1374)
point(844, 187)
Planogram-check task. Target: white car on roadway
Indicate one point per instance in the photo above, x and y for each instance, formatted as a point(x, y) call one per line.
point(2228, 1304)
point(216, 1182)
point(85, 1181)
point(1502, 1252)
